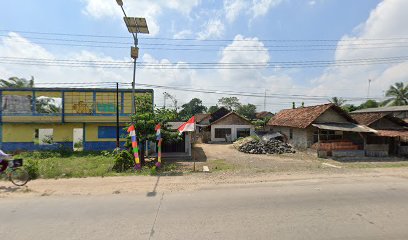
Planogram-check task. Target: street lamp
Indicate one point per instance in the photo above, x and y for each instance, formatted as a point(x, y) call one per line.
point(134, 26)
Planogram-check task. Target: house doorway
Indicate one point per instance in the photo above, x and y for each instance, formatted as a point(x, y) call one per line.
point(78, 139)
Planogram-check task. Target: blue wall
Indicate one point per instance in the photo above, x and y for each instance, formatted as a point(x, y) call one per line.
point(99, 146)
point(30, 146)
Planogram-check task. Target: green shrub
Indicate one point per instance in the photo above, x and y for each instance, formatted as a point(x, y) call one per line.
point(32, 168)
point(123, 161)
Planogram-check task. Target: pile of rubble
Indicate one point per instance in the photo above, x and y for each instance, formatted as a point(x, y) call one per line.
point(254, 146)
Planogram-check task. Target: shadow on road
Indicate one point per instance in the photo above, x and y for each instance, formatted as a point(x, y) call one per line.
point(153, 193)
point(8, 189)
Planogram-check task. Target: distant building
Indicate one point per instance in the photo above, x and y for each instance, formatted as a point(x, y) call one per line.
point(391, 137)
point(327, 127)
point(224, 125)
point(48, 118)
point(396, 111)
point(263, 114)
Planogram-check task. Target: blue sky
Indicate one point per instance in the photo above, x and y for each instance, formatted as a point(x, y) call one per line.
point(241, 23)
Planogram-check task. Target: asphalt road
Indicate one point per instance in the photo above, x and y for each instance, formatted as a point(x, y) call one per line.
point(343, 208)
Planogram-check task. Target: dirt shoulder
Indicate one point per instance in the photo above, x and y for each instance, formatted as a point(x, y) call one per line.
point(151, 185)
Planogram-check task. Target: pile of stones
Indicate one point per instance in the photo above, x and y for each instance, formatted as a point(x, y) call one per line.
point(272, 146)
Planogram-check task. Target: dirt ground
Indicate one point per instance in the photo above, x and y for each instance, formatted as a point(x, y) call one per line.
point(227, 166)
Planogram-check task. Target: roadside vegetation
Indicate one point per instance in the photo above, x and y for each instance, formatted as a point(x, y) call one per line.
point(55, 164)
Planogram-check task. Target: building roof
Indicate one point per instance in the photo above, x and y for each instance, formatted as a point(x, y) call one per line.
point(174, 125)
point(371, 117)
point(392, 133)
point(263, 114)
point(221, 112)
point(345, 127)
point(383, 109)
point(229, 114)
point(367, 118)
point(200, 116)
point(304, 116)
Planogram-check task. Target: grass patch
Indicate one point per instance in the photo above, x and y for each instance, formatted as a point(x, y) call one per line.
point(220, 165)
point(52, 164)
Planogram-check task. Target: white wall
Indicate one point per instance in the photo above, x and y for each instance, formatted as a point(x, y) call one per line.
point(233, 131)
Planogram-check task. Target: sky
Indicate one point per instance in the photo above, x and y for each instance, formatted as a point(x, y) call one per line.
point(287, 50)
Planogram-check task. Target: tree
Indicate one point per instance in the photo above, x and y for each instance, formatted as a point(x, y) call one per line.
point(15, 82)
point(338, 101)
point(397, 95)
point(230, 103)
point(191, 108)
point(212, 109)
point(248, 111)
point(369, 104)
point(349, 107)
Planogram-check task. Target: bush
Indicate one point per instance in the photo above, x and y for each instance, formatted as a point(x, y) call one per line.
point(123, 161)
point(32, 168)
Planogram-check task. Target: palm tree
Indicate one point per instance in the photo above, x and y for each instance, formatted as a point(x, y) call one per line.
point(338, 101)
point(397, 95)
point(15, 82)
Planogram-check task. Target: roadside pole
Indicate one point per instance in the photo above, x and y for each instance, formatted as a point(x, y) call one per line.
point(117, 116)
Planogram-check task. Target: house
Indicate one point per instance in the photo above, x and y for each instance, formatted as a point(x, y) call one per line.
point(178, 149)
point(224, 125)
point(48, 118)
point(391, 137)
point(396, 111)
point(333, 129)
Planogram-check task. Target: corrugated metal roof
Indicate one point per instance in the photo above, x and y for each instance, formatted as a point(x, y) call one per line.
point(345, 127)
point(383, 109)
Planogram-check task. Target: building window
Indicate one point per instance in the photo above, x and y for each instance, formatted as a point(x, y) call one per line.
point(222, 132)
point(243, 132)
point(291, 133)
point(44, 136)
point(110, 132)
point(326, 135)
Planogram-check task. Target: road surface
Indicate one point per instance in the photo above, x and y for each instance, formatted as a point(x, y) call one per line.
point(340, 208)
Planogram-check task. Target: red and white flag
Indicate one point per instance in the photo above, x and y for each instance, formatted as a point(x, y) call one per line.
point(188, 126)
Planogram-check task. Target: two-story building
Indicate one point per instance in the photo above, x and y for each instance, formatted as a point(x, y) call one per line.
point(48, 118)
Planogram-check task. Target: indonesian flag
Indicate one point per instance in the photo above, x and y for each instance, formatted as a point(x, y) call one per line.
point(157, 129)
point(188, 126)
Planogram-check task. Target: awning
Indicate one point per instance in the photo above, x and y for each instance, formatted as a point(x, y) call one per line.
point(392, 133)
point(345, 127)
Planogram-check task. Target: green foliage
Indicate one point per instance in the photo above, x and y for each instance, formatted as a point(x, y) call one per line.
point(124, 161)
point(191, 108)
point(213, 109)
point(248, 111)
point(338, 101)
point(369, 104)
point(230, 103)
point(397, 95)
point(32, 168)
point(15, 82)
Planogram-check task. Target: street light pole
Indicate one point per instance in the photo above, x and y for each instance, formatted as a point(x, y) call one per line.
point(134, 25)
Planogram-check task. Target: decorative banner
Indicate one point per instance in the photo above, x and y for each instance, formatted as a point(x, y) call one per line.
point(188, 126)
point(132, 134)
point(158, 138)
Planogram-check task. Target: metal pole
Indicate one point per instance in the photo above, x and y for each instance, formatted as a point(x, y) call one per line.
point(117, 116)
point(265, 101)
point(133, 87)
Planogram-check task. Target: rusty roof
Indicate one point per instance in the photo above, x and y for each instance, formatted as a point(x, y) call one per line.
point(392, 133)
point(304, 116)
point(200, 116)
point(368, 118)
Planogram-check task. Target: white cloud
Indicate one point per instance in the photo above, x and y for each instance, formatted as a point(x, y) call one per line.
point(183, 34)
point(151, 10)
point(233, 8)
point(214, 28)
point(386, 21)
point(261, 7)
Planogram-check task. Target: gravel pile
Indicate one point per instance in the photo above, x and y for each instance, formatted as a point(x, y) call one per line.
point(272, 146)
